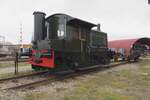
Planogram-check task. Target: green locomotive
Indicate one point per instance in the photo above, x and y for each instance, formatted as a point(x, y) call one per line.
point(64, 42)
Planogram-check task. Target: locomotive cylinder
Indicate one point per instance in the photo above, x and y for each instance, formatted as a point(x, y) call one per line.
point(39, 26)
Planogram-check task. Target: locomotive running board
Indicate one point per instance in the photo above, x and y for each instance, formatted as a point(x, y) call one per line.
point(91, 67)
point(64, 72)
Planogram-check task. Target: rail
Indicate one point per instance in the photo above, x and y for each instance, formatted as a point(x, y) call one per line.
point(22, 76)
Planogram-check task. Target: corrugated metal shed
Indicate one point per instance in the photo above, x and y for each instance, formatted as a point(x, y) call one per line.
point(128, 43)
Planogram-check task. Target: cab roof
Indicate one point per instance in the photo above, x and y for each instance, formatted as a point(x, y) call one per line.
point(72, 20)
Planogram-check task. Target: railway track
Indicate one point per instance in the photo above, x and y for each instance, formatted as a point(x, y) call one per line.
point(60, 77)
point(22, 76)
point(19, 80)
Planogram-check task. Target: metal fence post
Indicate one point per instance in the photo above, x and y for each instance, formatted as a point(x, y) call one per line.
point(16, 63)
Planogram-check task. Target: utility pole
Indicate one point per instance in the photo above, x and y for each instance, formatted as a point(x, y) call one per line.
point(20, 45)
point(20, 39)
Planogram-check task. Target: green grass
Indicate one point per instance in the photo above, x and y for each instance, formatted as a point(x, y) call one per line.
point(110, 95)
point(35, 96)
point(125, 84)
point(6, 75)
point(11, 64)
point(145, 62)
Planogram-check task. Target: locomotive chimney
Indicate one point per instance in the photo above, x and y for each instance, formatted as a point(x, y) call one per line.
point(39, 26)
point(98, 27)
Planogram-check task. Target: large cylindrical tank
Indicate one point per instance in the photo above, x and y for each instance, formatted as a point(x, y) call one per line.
point(39, 26)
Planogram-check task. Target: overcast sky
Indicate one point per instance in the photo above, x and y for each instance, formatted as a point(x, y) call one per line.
point(119, 18)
